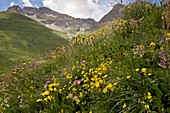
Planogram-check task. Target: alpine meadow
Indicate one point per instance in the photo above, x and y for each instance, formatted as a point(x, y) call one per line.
point(120, 64)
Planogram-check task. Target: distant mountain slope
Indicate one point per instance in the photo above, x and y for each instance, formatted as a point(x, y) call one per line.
point(55, 20)
point(116, 12)
point(22, 38)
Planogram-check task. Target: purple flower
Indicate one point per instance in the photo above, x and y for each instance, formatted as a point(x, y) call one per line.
point(76, 81)
point(141, 72)
point(164, 62)
point(47, 81)
point(162, 41)
point(160, 53)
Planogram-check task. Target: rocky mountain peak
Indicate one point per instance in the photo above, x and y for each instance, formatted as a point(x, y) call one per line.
point(15, 8)
point(116, 12)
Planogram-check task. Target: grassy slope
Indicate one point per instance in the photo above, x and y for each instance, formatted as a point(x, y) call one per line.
point(22, 38)
point(125, 61)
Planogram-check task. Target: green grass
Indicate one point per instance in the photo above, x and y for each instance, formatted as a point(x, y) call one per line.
point(22, 38)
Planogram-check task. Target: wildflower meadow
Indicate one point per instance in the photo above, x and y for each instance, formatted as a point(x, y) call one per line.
point(123, 67)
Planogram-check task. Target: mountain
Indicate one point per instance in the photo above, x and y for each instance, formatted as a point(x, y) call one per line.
point(55, 20)
point(116, 12)
point(22, 38)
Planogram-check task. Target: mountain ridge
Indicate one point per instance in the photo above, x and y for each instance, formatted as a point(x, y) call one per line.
point(66, 23)
point(55, 20)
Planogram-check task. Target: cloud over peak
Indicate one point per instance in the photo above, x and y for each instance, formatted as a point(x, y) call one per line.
point(80, 8)
point(27, 3)
point(12, 4)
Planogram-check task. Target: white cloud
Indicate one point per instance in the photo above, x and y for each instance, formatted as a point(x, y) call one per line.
point(12, 4)
point(80, 8)
point(27, 3)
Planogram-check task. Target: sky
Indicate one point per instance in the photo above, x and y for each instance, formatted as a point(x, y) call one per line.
point(95, 9)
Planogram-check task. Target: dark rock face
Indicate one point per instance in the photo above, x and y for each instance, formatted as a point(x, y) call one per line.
point(116, 13)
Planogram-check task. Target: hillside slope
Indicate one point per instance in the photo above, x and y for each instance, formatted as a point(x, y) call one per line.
point(23, 38)
point(116, 12)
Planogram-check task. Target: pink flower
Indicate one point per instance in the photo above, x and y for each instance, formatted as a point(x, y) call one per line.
point(76, 81)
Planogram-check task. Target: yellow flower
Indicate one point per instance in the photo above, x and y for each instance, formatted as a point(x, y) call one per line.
point(49, 97)
point(128, 7)
point(115, 84)
point(124, 105)
point(137, 69)
point(144, 70)
point(74, 89)
point(38, 100)
point(141, 46)
point(69, 76)
point(100, 81)
point(152, 44)
point(149, 95)
point(149, 74)
point(92, 37)
point(142, 102)
point(3, 75)
point(81, 94)
point(14, 73)
point(109, 86)
point(45, 93)
point(146, 5)
point(46, 99)
point(128, 77)
point(73, 68)
point(97, 84)
point(146, 106)
point(105, 90)
point(52, 87)
point(90, 112)
point(168, 34)
point(82, 72)
point(29, 62)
